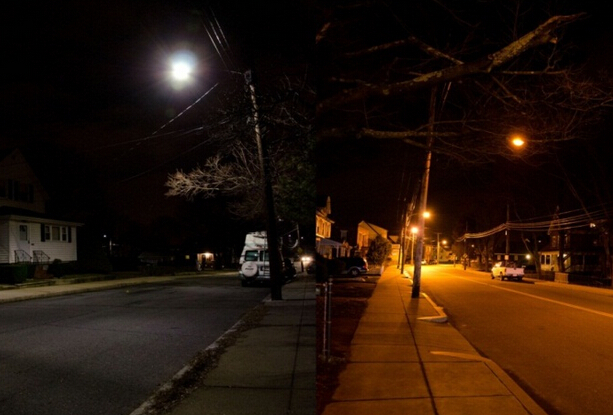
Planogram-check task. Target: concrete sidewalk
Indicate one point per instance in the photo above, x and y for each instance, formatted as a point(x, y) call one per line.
point(271, 368)
point(405, 359)
point(68, 286)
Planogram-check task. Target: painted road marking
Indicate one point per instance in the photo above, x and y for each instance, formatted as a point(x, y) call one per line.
point(537, 297)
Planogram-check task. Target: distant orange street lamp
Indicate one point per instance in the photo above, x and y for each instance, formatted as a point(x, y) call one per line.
point(518, 141)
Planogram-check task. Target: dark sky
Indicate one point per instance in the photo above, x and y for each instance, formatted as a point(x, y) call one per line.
point(83, 87)
point(367, 184)
point(84, 83)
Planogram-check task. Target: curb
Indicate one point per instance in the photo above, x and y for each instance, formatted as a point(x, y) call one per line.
point(214, 347)
point(73, 291)
point(440, 318)
point(524, 399)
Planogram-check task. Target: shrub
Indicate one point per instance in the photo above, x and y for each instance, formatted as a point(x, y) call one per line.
point(59, 269)
point(14, 274)
point(379, 249)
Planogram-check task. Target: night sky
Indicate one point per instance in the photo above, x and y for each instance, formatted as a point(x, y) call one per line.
point(85, 92)
point(85, 96)
point(367, 179)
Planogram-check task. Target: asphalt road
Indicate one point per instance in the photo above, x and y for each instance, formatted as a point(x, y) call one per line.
point(555, 340)
point(107, 352)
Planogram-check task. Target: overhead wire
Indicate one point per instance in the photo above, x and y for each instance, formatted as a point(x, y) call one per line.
point(222, 47)
point(556, 222)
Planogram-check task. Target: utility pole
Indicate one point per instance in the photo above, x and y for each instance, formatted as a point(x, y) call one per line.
point(438, 246)
point(402, 254)
point(423, 200)
point(507, 250)
point(274, 253)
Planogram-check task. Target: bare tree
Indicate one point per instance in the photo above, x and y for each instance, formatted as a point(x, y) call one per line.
point(263, 156)
point(234, 170)
point(496, 76)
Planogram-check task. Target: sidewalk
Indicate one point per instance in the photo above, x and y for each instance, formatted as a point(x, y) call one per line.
point(68, 286)
point(271, 368)
point(405, 359)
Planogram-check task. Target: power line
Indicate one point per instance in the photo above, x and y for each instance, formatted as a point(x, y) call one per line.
point(557, 222)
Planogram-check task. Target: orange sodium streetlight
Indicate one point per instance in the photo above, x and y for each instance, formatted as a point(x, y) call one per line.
point(518, 141)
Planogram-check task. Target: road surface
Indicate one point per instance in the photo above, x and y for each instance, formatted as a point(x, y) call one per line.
point(555, 340)
point(107, 352)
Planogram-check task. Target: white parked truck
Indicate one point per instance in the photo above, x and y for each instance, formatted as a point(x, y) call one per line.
point(254, 263)
point(507, 270)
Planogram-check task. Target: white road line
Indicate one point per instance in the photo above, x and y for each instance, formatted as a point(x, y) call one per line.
point(589, 310)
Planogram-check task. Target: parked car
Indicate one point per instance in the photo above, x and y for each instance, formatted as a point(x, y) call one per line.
point(353, 266)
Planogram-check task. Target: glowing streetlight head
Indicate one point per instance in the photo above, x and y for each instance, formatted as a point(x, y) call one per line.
point(181, 71)
point(426, 214)
point(518, 141)
point(182, 66)
point(414, 230)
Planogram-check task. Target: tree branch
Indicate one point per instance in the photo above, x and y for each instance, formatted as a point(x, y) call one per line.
point(543, 34)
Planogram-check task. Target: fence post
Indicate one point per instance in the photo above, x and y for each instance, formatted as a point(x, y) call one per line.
point(327, 319)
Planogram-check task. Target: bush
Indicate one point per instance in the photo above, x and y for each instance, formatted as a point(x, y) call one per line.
point(380, 248)
point(15, 274)
point(59, 269)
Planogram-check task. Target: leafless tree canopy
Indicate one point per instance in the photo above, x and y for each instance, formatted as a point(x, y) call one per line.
point(499, 68)
point(285, 120)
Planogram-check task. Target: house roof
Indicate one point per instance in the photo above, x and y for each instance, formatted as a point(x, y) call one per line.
point(377, 229)
point(329, 242)
point(18, 157)
point(16, 214)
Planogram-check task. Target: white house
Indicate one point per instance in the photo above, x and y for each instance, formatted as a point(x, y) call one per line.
point(26, 233)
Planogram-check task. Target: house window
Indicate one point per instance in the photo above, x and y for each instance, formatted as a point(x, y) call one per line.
point(25, 192)
point(56, 233)
point(15, 190)
point(23, 232)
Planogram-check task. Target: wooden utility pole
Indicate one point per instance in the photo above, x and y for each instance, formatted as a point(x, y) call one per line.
point(423, 200)
point(274, 252)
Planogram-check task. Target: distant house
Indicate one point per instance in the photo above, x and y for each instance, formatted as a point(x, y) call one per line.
point(517, 253)
point(323, 222)
point(323, 229)
point(367, 232)
point(577, 250)
point(26, 233)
